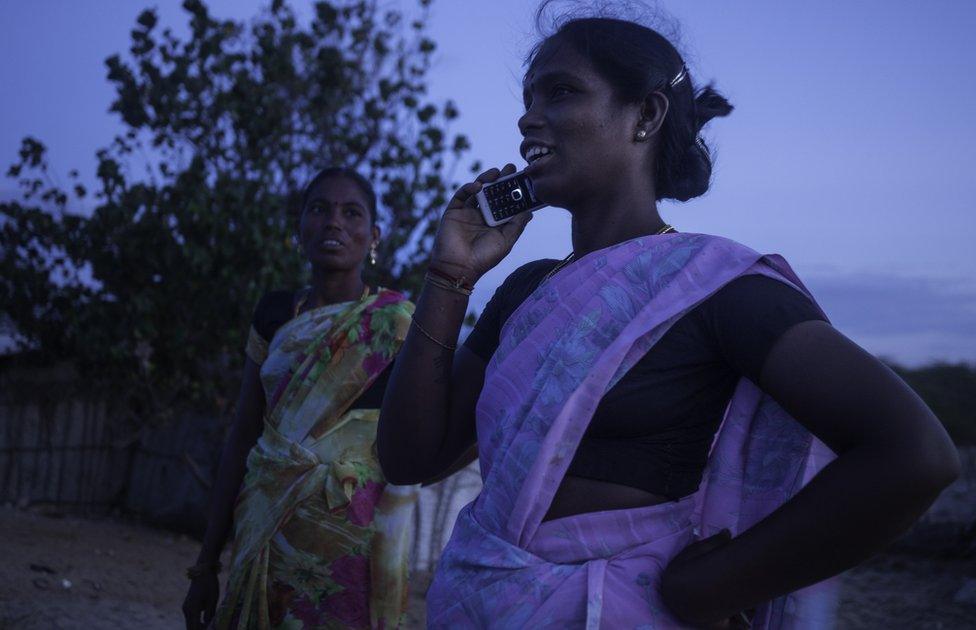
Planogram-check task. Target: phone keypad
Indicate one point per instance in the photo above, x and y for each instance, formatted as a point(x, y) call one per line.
point(508, 198)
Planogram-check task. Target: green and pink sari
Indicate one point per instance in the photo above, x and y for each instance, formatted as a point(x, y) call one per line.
point(321, 540)
point(562, 349)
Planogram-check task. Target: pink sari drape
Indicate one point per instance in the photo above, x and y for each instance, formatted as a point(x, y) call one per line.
point(560, 352)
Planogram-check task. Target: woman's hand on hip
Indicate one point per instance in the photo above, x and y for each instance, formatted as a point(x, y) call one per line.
point(465, 245)
point(682, 583)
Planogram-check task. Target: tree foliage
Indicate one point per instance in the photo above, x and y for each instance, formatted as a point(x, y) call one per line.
point(195, 201)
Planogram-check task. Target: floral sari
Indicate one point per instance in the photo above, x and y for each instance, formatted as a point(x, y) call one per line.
point(320, 539)
point(559, 352)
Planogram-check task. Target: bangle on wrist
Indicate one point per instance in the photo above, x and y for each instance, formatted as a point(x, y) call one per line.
point(456, 283)
point(437, 281)
point(430, 336)
point(203, 568)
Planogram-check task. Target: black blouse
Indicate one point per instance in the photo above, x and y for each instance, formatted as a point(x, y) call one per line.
point(652, 430)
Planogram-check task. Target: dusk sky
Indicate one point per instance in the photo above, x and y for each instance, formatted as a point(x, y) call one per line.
point(849, 151)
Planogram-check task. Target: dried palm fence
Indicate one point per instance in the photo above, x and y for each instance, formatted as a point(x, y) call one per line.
point(61, 445)
point(58, 444)
point(61, 453)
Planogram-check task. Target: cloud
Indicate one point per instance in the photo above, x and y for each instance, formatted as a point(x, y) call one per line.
point(909, 319)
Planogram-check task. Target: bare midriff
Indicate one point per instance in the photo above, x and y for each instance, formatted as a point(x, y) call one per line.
point(577, 495)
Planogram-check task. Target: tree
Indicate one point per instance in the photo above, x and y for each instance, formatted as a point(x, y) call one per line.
point(196, 200)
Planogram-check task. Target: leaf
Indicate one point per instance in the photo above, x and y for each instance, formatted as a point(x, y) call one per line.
point(461, 144)
point(147, 19)
point(177, 249)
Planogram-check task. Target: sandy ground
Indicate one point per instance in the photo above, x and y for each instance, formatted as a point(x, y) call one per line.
point(74, 573)
point(66, 572)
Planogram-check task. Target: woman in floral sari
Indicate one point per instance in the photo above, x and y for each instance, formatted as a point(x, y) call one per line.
point(657, 415)
point(320, 538)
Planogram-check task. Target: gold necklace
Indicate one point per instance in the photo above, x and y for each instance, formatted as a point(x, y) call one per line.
point(562, 263)
point(667, 229)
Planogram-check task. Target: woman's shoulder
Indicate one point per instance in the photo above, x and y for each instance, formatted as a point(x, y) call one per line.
point(391, 303)
point(745, 318)
point(714, 243)
point(389, 313)
point(521, 283)
point(386, 297)
point(755, 292)
point(273, 309)
point(275, 298)
point(531, 271)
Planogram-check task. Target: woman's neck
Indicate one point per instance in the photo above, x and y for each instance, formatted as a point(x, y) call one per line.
point(331, 286)
point(613, 218)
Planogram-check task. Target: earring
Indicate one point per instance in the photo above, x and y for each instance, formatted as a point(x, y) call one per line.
point(372, 254)
point(641, 135)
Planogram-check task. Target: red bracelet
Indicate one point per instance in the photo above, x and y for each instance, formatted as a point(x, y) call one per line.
point(457, 283)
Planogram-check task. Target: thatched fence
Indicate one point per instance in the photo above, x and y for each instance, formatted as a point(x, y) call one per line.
point(57, 443)
point(61, 445)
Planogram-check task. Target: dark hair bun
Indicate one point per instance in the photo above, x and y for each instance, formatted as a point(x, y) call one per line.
point(684, 175)
point(710, 104)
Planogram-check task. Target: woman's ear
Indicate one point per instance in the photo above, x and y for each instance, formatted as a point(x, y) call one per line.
point(653, 111)
point(377, 233)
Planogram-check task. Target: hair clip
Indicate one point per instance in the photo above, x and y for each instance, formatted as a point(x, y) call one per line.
point(678, 78)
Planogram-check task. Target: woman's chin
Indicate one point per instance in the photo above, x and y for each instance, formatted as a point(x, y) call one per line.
point(549, 191)
point(332, 263)
point(544, 185)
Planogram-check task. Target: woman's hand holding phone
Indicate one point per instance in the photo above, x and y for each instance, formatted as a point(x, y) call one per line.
point(465, 246)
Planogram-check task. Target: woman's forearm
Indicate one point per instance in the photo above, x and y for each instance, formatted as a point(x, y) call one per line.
point(855, 507)
point(415, 438)
point(230, 474)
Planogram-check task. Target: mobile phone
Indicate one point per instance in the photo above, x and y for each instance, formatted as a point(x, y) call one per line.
point(505, 197)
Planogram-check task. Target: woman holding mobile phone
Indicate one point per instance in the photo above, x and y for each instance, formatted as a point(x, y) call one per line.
point(320, 539)
point(670, 431)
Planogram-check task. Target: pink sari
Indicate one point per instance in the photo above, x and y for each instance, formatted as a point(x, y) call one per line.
point(564, 347)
